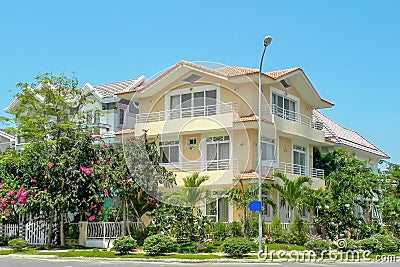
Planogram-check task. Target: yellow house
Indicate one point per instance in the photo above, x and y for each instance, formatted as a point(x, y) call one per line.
point(207, 119)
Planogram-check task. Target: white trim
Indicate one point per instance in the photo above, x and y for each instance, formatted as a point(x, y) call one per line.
point(286, 95)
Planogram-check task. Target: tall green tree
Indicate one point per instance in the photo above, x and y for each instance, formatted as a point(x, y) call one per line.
point(291, 191)
point(192, 191)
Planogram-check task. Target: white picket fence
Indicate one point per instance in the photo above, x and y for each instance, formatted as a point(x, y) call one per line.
point(107, 229)
point(36, 232)
point(10, 230)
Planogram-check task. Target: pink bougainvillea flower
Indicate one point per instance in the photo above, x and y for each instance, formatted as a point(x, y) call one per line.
point(97, 138)
point(33, 181)
point(133, 141)
point(152, 203)
point(85, 170)
point(106, 144)
point(94, 206)
point(1, 185)
point(46, 189)
point(87, 214)
point(92, 218)
point(106, 193)
point(10, 193)
point(99, 213)
point(101, 208)
point(51, 165)
point(13, 202)
point(6, 212)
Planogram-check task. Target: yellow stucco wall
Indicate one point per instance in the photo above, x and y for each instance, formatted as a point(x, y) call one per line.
point(285, 149)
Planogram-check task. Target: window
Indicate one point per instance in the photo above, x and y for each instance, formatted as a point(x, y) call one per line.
point(97, 116)
point(303, 211)
point(121, 116)
point(108, 106)
point(299, 160)
point(89, 117)
point(218, 210)
point(191, 142)
point(169, 151)
point(134, 107)
point(267, 149)
point(284, 107)
point(217, 153)
point(193, 104)
point(267, 208)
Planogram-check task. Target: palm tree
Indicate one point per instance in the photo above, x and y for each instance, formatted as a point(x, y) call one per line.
point(292, 192)
point(191, 192)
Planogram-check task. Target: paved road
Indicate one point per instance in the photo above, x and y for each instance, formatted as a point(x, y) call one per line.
point(32, 262)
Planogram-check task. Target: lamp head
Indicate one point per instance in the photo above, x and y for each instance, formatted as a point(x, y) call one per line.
point(267, 40)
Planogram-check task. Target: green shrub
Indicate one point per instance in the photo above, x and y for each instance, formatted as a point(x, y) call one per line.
point(350, 245)
point(234, 229)
point(158, 244)
point(299, 232)
point(18, 244)
point(275, 231)
point(380, 244)
point(317, 245)
point(236, 246)
point(124, 244)
point(220, 231)
point(140, 234)
point(4, 241)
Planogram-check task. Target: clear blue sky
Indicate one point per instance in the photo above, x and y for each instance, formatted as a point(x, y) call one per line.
point(349, 49)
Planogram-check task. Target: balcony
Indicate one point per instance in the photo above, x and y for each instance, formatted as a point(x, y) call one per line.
point(190, 112)
point(289, 115)
point(291, 168)
point(200, 166)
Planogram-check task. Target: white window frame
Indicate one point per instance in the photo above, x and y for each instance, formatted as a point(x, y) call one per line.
point(212, 140)
point(193, 90)
point(290, 97)
point(216, 215)
point(172, 143)
point(304, 150)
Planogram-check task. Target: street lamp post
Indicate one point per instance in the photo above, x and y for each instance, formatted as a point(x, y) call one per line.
point(267, 42)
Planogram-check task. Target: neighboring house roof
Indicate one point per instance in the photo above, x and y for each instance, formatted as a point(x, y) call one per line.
point(110, 89)
point(338, 134)
point(7, 136)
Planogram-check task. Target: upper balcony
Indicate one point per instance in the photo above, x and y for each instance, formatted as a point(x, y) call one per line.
point(294, 123)
point(196, 118)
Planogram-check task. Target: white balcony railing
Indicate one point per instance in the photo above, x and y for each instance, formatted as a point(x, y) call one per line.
point(291, 168)
point(189, 112)
point(267, 111)
point(209, 165)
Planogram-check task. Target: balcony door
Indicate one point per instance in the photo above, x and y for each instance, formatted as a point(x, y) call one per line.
point(284, 107)
point(193, 104)
point(299, 160)
point(217, 153)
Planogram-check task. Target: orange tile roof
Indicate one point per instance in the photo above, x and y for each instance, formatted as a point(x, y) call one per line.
point(228, 71)
point(252, 175)
point(247, 118)
point(235, 71)
point(279, 73)
point(127, 131)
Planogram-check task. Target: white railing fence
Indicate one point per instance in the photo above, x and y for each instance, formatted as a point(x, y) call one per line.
point(10, 230)
point(36, 232)
point(107, 229)
point(187, 112)
point(209, 165)
point(291, 168)
point(267, 111)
